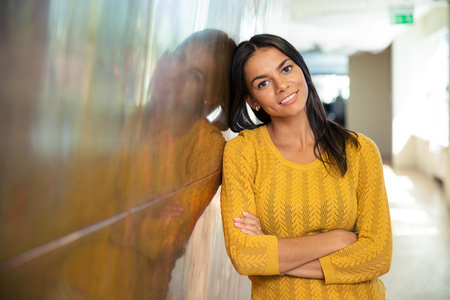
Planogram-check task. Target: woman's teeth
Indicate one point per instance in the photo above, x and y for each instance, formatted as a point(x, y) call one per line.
point(288, 98)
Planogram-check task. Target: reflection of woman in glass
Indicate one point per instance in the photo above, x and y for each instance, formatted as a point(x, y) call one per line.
point(304, 205)
point(177, 146)
point(172, 132)
point(170, 162)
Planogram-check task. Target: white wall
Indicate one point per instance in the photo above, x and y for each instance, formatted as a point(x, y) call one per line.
point(447, 161)
point(420, 115)
point(369, 109)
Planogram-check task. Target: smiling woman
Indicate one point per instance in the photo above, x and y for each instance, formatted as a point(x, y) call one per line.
point(270, 72)
point(301, 196)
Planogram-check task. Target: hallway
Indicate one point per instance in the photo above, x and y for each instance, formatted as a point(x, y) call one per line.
point(421, 230)
point(114, 120)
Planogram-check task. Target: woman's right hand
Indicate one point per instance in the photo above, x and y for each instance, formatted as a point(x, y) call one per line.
point(249, 224)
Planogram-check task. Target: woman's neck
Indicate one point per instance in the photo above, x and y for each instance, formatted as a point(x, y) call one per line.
point(291, 132)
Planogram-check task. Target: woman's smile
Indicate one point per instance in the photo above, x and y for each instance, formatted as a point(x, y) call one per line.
point(289, 99)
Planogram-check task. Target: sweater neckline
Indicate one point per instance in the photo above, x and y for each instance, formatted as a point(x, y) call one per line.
point(277, 153)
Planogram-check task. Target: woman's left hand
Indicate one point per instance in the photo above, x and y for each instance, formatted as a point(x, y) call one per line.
point(249, 224)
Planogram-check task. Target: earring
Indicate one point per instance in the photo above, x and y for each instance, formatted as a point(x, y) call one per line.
point(257, 108)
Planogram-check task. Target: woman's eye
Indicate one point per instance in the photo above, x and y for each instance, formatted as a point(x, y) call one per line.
point(287, 69)
point(262, 84)
point(196, 76)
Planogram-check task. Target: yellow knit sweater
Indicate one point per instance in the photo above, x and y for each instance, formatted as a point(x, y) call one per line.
point(296, 200)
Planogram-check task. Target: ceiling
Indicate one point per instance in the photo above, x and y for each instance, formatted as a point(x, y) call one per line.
point(342, 26)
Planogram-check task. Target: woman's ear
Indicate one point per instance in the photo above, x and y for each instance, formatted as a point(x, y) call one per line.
point(253, 104)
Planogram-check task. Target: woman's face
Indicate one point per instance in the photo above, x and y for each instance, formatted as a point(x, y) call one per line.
point(275, 83)
point(183, 80)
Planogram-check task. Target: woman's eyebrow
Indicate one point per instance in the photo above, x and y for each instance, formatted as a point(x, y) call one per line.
point(278, 68)
point(282, 63)
point(258, 77)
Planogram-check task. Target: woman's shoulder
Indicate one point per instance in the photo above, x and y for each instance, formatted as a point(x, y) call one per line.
point(365, 140)
point(246, 139)
point(246, 136)
point(366, 144)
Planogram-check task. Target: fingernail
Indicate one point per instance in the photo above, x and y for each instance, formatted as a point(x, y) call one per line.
point(237, 224)
point(236, 219)
point(245, 213)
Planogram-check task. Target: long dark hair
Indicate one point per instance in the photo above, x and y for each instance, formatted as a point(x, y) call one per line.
point(329, 136)
point(222, 48)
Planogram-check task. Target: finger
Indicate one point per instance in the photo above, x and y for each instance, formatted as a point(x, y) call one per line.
point(250, 229)
point(248, 222)
point(256, 222)
point(172, 210)
point(250, 219)
point(246, 230)
point(249, 215)
point(249, 232)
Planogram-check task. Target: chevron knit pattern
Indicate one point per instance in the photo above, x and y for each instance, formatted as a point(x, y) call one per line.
point(297, 200)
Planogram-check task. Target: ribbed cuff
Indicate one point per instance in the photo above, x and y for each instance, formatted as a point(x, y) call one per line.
point(328, 271)
point(272, 257)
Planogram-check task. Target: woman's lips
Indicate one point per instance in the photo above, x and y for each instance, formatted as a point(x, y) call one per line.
point(289, 99)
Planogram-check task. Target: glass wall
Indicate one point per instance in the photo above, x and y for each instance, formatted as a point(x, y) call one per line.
point(113, 123)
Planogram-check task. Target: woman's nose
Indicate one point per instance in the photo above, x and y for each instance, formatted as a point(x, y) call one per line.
point(179, 71)
point(281, 85)
point(167, 69)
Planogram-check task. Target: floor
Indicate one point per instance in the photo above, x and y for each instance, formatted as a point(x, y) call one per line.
point(421, 229)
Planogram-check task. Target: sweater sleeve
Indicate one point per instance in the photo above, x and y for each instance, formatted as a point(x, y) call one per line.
point(250, 255)
point(370, 257)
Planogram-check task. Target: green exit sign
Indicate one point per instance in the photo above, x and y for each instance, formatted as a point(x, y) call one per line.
point(402, 19)
point(402, 15)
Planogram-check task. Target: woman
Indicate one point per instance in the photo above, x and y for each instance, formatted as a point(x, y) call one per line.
point(304, 206)
point(165, 174)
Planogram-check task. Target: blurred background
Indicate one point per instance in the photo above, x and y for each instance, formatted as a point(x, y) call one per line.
point(112, 127)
